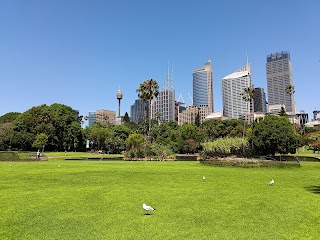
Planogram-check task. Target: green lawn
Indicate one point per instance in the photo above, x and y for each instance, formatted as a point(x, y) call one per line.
point(102, 200)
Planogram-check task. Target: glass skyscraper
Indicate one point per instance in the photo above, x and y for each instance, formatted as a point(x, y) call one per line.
point(279, 76)
point(203, 90)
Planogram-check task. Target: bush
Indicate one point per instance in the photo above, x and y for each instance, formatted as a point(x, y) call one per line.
point(9, 156)
point(249, 163)
point(225, 147)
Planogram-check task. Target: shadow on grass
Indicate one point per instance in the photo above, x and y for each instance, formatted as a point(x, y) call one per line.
point(313, 189)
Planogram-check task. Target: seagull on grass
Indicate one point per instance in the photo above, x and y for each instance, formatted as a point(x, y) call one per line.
point(271, 183)
point(204, 178)
point(149, 209)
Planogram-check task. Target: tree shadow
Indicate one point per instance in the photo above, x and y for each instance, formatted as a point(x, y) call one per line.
point(313, 189)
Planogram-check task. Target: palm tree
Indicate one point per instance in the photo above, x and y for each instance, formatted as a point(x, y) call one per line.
point(146, 92)
point(290, 90)
point(158, 114)
point(248, 96)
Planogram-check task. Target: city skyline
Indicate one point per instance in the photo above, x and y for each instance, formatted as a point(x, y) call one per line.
point(78, 54)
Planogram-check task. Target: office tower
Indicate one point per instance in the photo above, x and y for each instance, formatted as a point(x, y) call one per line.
point(279, 77)
point(187, 115)
point(233, 85)
point(164, 105)
point(92, 118)
point(103, 116)
point(139, 111)
point(203, 90)
point(259, 100)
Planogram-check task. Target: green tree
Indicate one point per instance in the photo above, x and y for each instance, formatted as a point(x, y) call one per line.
point(99, 134)
point(273, 135)
point(290, 90)
point(5, 135)
point(147, 91)
point(126, 118)
point(9, 117)
point(283, 112)
point(197, 121)
point(188, 135)
point(247, 96)
point(134, 141)
point(40, 141)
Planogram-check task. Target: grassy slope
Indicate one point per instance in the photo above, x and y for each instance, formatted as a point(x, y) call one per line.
point(102, 200)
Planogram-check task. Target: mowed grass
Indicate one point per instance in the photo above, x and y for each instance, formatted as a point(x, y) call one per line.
point(102, 200)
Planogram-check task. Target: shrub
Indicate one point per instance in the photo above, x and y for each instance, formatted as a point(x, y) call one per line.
point(249, 163)
point(225, 147)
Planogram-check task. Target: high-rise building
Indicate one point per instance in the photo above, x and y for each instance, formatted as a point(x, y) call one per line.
point(188, 115)
point(203, 90)
point(259, 100)
point(279, 77)
point(92, 118)
point(104, 116)
point(139, 111)
point(233, 85)
point(164, 105)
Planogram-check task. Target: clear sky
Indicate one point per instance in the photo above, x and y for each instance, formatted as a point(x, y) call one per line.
point(78, 52)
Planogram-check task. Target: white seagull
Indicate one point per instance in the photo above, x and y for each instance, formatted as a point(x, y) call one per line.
point(149, 209)
point(204, 178)
point(271, 183)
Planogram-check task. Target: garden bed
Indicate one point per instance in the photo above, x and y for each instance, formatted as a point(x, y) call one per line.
point(249, 163)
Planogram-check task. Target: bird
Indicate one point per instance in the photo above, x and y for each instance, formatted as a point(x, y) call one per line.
point(204, 178)
point(271, 183)
point(149, 209)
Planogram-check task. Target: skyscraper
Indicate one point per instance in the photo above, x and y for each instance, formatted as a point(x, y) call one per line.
point(164, 107)
point(233, 86)
point(279, 77)
point(104, 116)
point(203, 90)
point(259, 100)
point(139, 110)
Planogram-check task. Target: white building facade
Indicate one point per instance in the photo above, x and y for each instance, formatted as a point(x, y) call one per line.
point(233, 85)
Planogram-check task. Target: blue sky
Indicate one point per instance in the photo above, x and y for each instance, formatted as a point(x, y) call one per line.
point(78, 52)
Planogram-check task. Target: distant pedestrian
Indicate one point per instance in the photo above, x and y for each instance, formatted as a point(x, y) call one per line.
point(38, 154)
point(65, 152)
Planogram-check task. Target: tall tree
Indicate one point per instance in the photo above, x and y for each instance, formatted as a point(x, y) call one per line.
point(290, 90)
point(40, 141)
point(283, 112)
point(147, 91)
point(247, 96)
point(126, 118)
